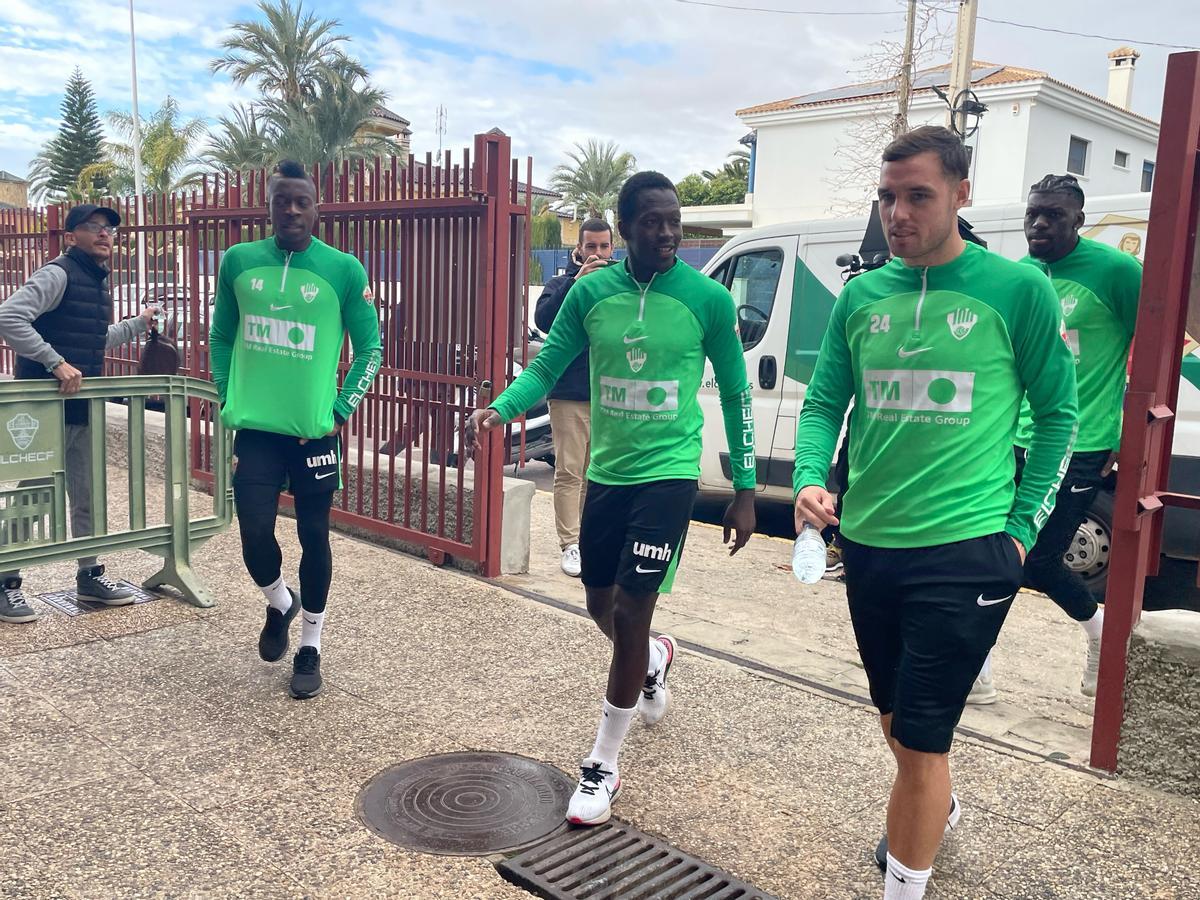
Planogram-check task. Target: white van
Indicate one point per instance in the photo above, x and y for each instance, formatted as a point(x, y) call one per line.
point(785, 278)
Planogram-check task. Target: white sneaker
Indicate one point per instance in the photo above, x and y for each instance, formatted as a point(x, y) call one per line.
point(591, 804)
point(656, 696)
point(570, 560)
point(1091, 669)
point(983, 691)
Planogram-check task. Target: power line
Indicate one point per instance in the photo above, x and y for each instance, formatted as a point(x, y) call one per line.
point(1099, 37)
point(896, 12)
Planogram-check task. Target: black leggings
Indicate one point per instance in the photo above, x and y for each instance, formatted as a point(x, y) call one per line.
point(1045, 570)
point(257, 508)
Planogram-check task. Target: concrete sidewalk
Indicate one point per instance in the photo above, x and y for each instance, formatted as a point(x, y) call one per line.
point(150, 753)
point(753, 607)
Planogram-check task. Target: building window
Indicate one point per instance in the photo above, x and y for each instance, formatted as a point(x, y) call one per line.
point(1121, 159)
point(1077, 156)
point(1147, 176)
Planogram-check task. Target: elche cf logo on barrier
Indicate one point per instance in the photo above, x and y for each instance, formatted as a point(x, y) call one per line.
point(23, 428)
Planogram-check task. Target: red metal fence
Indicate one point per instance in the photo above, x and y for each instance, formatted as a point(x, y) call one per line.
point(444, 245)
point(1153, 394)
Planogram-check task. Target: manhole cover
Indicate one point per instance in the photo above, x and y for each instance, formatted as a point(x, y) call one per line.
point(466, 804)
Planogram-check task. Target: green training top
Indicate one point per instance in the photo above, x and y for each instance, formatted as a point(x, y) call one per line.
point(278, 327)
point(937, 360)
point(648, 344)
point(1098, 286)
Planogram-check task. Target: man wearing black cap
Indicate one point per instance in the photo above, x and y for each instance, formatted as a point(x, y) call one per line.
point(59, 325)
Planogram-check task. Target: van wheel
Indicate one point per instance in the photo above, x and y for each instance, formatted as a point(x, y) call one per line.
point(1088, 555)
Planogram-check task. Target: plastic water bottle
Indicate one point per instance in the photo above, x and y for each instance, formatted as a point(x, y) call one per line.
point(808, 555)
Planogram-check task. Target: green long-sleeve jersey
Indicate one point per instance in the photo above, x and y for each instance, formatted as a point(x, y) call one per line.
point(278, 326)
point(1098, 287)
point(937, 360)
point(648, 344)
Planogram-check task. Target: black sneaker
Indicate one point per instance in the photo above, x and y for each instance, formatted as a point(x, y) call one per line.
point(13, 605)
point(273, 639)
point(92, 584)
point(881, 849)
point(306, 674)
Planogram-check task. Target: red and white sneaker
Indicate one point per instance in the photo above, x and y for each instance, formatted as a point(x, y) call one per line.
point(656, 696)
point(591, 804)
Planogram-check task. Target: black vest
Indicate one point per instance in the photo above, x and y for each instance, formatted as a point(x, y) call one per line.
point(78, 327)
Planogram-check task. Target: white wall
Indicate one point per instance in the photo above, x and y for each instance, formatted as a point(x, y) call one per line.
point(801, 170)
point(1050, 137)
point(998, 157)
point(791, 164)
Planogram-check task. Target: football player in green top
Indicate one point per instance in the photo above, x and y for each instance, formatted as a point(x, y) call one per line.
point(937, 349)
point(283, 309)
point(650, 323)
point(1098, 287)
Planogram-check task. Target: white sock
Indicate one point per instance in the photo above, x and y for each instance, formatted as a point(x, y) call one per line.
point(986, 672)
point(277, 595)
point(614, 723)
point(903, 883)
point(310, 628)
point(1094, 627)
point(658, 656)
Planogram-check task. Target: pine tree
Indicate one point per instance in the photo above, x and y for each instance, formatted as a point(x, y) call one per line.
point(79, 142)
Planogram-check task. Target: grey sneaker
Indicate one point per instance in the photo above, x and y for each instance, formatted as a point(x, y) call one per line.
point(13, 605)
point(92, 584)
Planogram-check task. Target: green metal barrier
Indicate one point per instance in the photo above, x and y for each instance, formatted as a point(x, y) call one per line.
point(33, 514)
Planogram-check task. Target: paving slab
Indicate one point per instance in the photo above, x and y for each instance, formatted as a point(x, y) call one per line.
point(154, 754)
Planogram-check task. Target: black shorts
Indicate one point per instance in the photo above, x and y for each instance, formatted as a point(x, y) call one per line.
point(632, 535)
point(925, 619)
point(281, 461)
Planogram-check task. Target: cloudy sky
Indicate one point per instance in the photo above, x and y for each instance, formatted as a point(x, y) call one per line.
point(660, 77)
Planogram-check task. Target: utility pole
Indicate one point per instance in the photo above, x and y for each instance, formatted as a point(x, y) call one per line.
point(904, 94)
point(139, 189)
point(962, 61)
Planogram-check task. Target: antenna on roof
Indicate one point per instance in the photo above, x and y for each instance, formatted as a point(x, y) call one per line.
point(441, 127)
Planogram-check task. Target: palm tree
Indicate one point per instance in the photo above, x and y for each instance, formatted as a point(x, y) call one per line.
point(325, 128)
point(168, 161)
point(244, 143)
point(288, 54)
point(737, 167)
point(593, 180)
point(41, 173)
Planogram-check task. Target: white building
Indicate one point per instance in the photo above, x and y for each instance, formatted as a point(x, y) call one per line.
point(810, 161)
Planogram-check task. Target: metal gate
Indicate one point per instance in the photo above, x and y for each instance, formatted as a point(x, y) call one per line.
point(444, 243)
point(1170, 282)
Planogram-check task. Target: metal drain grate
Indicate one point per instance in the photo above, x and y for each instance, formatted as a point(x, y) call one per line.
point(615, 860)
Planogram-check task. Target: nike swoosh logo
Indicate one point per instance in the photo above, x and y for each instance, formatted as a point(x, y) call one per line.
point(1078, 490)
point(634, 340)
point(275, 308)
point(642, 571)
point(309, 621)
point(905, 354)
point(325, 475)
point(983, 602)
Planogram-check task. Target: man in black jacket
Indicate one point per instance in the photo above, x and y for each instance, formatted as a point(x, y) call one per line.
point(569, 401)
point(59, 323)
